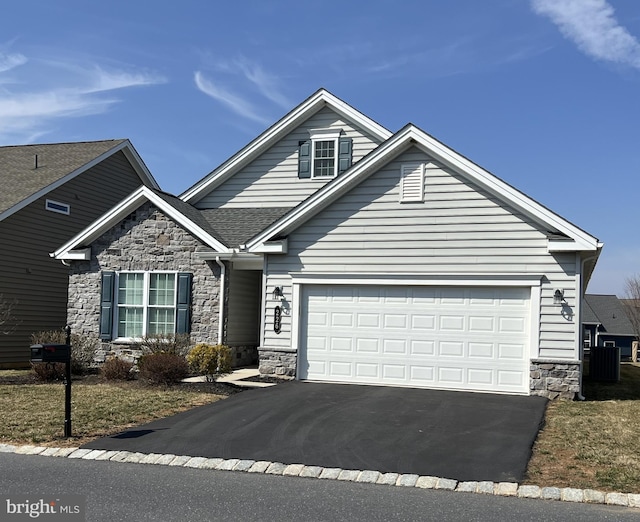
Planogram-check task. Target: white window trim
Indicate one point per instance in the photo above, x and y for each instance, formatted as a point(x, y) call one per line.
point(411, 197)
point(317, 135)
point(57, 210)
point(145, 306)
point(609, 344)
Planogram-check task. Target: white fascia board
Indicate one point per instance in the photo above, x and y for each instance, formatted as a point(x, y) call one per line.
point(126, 145)
point(181, 219)
point(452, 279)
point(138, 164)
point(272, 247)
point(293, 119)
point(562, 246)
point(126, 207)
point(83, 254)
point(104, 222)
point(496, 186)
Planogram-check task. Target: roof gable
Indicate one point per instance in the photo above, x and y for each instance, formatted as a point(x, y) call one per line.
point(181, 212)
point(28, 172)
point(295, 118)
point(574, 239)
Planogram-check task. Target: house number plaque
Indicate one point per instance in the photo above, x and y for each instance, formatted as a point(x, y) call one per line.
point(277, 319)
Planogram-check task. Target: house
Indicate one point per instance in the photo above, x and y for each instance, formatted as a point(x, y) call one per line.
point(335, 250)
point(605, 323)
point(50, 193)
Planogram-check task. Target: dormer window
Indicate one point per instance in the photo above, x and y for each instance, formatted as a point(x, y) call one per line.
point(324, 155)
point(324, 159)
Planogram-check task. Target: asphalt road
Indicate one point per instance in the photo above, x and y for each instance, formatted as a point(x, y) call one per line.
point(124, 492)
point(457, 435)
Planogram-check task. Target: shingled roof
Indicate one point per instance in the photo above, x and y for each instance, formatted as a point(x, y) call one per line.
point(608, 311)
point(27, 169)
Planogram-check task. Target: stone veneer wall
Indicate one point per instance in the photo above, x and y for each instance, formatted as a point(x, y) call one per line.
point(145, 240)
point(278, 363)
point(555, 378)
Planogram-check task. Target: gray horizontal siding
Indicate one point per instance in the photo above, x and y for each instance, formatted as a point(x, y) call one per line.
point(243, 322)
point(458, 229)
point(29, 276)
point(271, 180)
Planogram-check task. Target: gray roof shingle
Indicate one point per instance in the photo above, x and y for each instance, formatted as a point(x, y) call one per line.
point(231, 226)
point(608, 311)
point(237, 225)
point(19, 177)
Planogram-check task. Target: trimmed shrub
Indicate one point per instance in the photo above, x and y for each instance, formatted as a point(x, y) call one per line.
point(83, 348)
point(115, 369)
point(163, 368)
point(176, 344)
point(209, 360)
point(49, 372)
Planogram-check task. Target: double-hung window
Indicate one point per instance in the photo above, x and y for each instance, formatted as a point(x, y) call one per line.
point(324, 155)
point(146, 304)
point(137, 304)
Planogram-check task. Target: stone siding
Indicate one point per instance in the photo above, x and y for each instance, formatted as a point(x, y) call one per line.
point(145, 240)
point(278, 363)
point(555, 378)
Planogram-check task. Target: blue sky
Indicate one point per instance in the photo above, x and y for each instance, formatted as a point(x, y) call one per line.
point(542, 93)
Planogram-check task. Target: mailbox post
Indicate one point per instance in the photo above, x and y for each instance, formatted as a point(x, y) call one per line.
point(58, 353)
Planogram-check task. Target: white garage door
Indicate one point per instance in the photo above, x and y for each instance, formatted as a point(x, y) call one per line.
point(431, 337)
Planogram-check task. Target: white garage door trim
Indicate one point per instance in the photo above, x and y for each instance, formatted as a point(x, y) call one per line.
point(454, 372)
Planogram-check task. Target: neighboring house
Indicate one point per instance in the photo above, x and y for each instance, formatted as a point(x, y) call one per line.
point(338, 251)
point(50, 193)
point(605, 323)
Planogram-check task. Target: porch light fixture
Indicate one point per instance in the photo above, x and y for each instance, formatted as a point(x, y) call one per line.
point(277, 294)
point(558, 296)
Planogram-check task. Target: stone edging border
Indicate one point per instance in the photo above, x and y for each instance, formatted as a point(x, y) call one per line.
point(506, 489)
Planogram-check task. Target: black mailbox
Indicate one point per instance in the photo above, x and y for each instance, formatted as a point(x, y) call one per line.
point(60, 353)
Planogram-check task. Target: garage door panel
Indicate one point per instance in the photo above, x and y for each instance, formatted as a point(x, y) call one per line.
point(481, 377)
point(423, 348)
point(368, 346)
point(452, 323)
point(481, 350)
point(449, 338)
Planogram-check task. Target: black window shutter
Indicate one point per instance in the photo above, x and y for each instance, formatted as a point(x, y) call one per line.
point(183, 304)
point(106, 305)
point(344, 154)
point(304, 159)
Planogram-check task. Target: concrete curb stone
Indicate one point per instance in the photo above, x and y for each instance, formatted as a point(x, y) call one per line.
point(631, 500)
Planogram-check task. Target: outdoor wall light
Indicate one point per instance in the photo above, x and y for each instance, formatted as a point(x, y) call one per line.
point(558, 296)
point(277, 294)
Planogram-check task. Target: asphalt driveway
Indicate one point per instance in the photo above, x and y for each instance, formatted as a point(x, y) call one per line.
point(464, 436)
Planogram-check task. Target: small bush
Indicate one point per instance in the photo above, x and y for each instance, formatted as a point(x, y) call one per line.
point(209, 360)
point(83, 348)
point(115, 369)
point(176, 344)
point(49, 372)
point(163, 368)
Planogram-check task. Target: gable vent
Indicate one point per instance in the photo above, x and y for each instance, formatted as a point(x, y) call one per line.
point(412, 182)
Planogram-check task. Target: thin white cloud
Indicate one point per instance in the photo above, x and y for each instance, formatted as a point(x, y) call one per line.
point(592, 26)
point(103, 81)
point(10, 61)
point(232, 101)
point(71, 90)
point(266, 83)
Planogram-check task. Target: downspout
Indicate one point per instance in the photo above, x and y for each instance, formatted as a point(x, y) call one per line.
point(580, 329)
point(223, 272)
